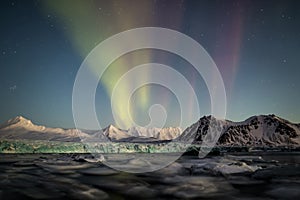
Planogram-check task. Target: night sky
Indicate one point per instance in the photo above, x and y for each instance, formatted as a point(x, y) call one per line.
point(255, 44)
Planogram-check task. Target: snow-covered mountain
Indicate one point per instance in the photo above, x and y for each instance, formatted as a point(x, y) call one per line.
point(141, 133)
point(115, 133)
point(254, 131)
point(158, 133)
point(22, 128)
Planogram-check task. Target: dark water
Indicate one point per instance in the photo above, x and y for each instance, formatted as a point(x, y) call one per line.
point(239, 176)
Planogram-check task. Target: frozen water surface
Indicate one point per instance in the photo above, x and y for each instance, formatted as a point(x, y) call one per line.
point(84, 176)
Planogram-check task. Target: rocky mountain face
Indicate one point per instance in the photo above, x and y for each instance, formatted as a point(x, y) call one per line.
point(261, 130)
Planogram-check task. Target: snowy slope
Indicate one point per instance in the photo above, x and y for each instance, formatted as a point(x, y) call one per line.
point(158, 133)
point(22, 128)
point(256, 130)
point(115, 133)
point(139, 134)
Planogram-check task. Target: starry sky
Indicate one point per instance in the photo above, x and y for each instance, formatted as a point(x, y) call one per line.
point(255, 44)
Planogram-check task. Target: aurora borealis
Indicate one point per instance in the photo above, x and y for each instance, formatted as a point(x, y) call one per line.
point(255, 45)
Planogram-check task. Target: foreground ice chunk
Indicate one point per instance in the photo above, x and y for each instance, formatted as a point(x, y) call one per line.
point(223, 166)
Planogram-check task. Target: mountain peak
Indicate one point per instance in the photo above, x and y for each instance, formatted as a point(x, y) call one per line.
point(211, 118)
point(111, 127)
point(265, 118)
point(19, 120)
